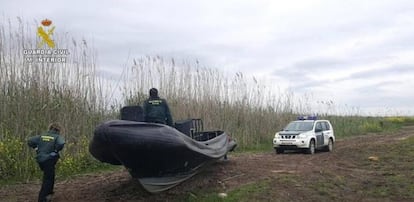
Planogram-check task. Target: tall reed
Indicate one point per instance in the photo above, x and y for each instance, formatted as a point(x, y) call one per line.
point(250, 111)
point(33, 94)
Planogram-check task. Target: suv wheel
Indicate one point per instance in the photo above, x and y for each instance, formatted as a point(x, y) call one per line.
point(329, 147)
point(311, 149)
point(279, 151)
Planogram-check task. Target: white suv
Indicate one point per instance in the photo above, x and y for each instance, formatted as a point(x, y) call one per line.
point(306, 133)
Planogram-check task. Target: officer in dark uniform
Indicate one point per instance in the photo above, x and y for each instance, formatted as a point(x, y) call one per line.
point(156, 109)
point(47, 146)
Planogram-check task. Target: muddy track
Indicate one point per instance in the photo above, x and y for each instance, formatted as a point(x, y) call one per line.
point(224, 175)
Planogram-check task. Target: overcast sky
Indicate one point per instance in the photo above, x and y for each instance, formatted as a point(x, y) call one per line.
point(355, 53)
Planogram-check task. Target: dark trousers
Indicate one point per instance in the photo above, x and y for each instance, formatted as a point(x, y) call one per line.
point(48, 168)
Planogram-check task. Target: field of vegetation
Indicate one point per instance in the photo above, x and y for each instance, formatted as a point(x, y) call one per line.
point(34, 94)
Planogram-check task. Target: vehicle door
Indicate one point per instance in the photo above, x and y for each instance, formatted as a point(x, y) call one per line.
point(327, 131)
point(319, 134)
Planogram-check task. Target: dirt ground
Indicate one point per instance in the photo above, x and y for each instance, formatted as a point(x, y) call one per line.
point(240, 169)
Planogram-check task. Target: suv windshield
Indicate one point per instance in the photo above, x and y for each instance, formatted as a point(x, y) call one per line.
point(299, 126)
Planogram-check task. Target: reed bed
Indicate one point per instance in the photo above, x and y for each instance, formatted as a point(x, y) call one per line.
point(243, 107)
point(34, 94)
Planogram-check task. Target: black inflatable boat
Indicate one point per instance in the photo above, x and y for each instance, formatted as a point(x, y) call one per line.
point(159, 156)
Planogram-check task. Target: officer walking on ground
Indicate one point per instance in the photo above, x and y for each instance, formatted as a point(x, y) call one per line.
point(47, 146)
point(156, 109)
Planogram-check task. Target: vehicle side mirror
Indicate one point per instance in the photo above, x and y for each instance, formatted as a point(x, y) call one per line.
point(317, 130)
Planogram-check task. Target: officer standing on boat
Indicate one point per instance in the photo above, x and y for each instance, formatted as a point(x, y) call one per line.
point(47, 146)
point(156, 109)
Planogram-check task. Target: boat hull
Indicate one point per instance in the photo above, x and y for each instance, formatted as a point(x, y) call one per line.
point(158, 155)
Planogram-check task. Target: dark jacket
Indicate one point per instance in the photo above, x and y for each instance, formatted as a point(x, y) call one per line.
point(48, 145)
point(156, 110)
